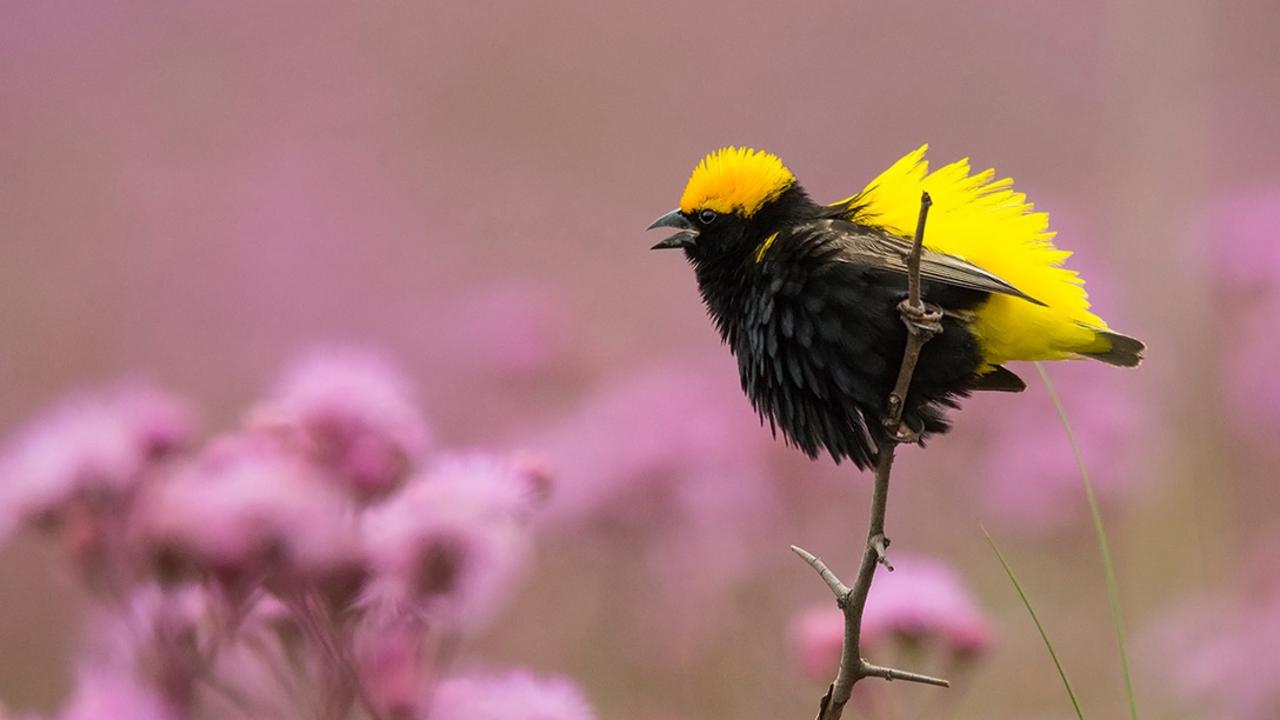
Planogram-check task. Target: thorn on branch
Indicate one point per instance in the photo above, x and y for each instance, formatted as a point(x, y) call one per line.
point(828, 576)
point(880, 544)
point(891, 674)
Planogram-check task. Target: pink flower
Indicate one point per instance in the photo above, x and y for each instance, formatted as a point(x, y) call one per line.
point(922, 601)
point(150, 616)
point(1030, 479)
point(390, 654)
point(248, 508)
point(107, 692)
point(816, 636)
point(453, 540)
point(515, 695)
point(92, 446)
point(156, 634)
point(353, 412)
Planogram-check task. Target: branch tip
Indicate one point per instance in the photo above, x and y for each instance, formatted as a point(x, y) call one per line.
point(828, 576)
point(804, 554)
point(891, 674)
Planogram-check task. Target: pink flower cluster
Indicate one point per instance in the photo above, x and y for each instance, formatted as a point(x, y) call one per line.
point(318, 561)
point(923, 603)
point(88, 449)
point(76, 469)
point(492, 697)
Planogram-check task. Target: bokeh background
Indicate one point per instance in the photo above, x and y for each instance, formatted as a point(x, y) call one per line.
point(196, 193)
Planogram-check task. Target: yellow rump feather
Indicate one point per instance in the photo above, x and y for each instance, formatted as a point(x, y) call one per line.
point(986, 222)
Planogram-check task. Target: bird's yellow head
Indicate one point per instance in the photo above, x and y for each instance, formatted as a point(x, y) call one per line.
point(735, 180)
point(731, 184)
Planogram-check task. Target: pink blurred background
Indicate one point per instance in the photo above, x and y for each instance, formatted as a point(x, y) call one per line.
point(195, 194)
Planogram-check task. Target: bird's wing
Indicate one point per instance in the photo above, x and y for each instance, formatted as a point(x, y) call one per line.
point(862, 245)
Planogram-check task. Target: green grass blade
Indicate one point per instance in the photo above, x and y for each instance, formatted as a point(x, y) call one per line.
point(1071, 693)
point(1104, 547)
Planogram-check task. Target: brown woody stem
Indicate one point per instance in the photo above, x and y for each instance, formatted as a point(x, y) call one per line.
point(922, 324)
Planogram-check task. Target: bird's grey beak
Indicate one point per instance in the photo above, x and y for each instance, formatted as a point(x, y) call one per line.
point(686, 236)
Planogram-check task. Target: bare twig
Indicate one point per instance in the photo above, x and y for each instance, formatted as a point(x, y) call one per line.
point(922, 324)
point(917, 247)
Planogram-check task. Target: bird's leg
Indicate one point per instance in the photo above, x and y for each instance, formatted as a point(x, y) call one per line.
point(923, 319)
point(923, 323)
point(904, 434)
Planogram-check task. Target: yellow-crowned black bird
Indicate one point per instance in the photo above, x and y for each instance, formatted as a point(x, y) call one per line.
point(806, 295)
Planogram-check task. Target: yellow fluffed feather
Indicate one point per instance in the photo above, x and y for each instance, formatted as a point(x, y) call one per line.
point(984, 221)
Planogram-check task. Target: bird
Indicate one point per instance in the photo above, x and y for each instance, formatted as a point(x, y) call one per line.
point(806, 295)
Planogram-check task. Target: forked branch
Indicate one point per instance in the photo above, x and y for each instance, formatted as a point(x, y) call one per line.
point(922, 324)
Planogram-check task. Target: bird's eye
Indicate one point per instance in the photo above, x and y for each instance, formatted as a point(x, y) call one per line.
point(706, 217)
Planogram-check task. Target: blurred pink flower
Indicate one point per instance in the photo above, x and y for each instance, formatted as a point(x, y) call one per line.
point(158, 635)
point(90, 447)
point(1030, 479)
point(247, 508)
point(151, 615)
point(351, 411)
point(1219, 652)
point(389, 654)
point(922, 601)
point(515, 695)
point(816, 636)
point(231, 574)
point(106, 692)
point(453, 539)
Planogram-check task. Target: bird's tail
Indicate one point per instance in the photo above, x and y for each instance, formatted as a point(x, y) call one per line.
point(1114, 348)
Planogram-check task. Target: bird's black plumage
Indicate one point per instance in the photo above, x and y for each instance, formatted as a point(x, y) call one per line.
point(817, 334)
